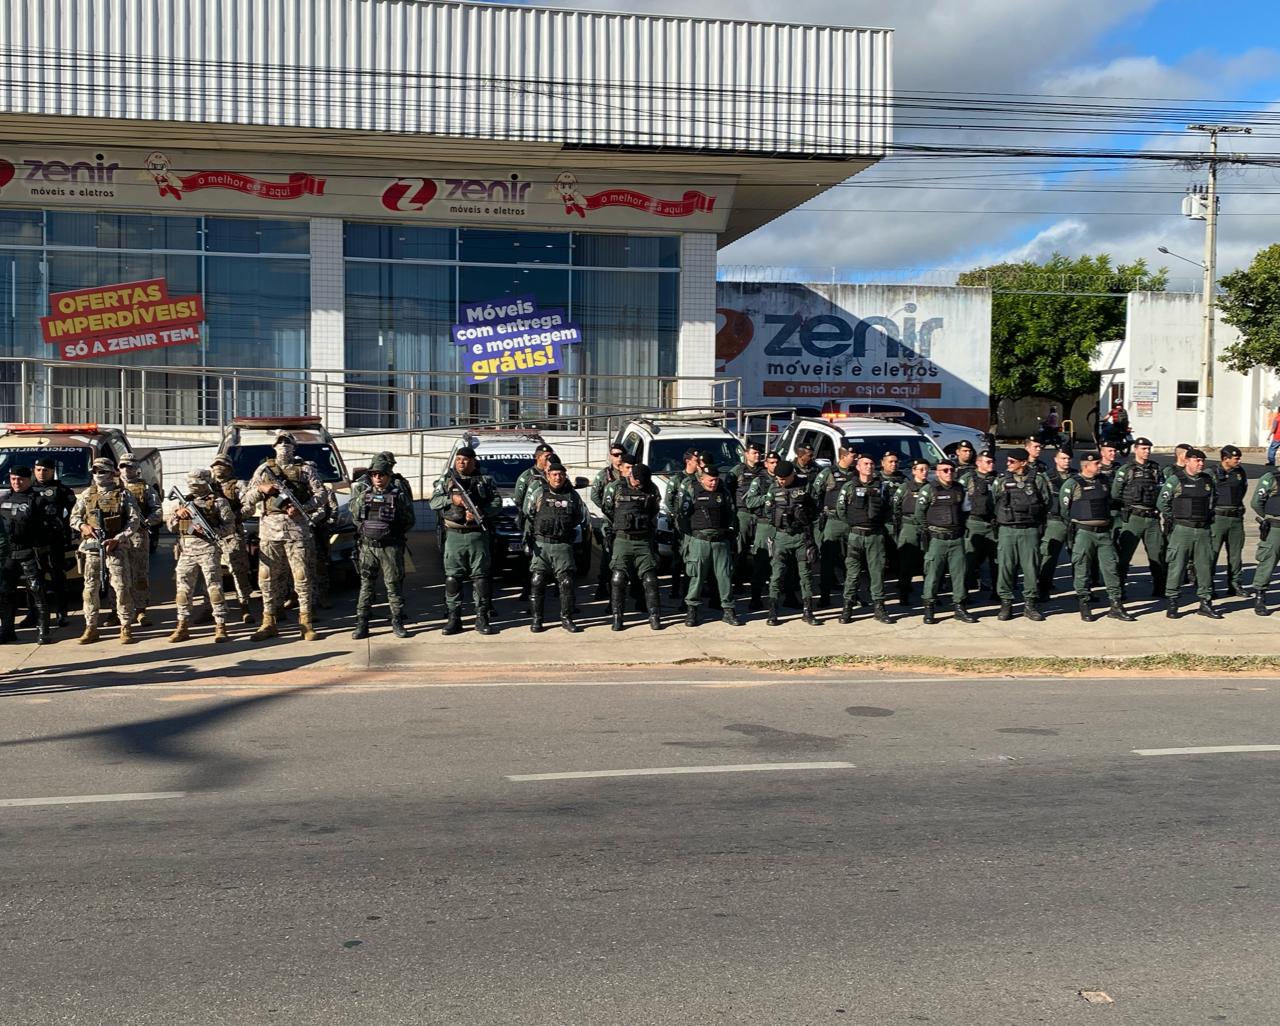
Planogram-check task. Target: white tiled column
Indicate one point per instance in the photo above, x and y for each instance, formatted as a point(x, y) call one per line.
point(328, 311)
point(696, 355)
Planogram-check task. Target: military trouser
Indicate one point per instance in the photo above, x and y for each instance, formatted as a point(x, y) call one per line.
point(55, 564)
point(385, 561)
point(466, 558)
point(832, 539)
point(1193, 545)
point(679, 580)
point(1135, 528)
point(1052, 542)
point(606, 538)
point(320, 546)
point(945, 556)
point(1018, 552)
point(116, 576)
point(137, 560)
point(199, 558)
point(552, 559)
point(865, 553)
point(237, 553)
point(1090, 547)
point(25, 567)
point(1267, 554)
point(761, 561)
point(791, 552)
point(277, 560)
point(910, 555)
point(981, 549)
point(633, 556)
point(1229, 531)
point(704, 557)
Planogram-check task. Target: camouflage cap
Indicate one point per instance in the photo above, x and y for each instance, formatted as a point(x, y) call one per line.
point(102, 465)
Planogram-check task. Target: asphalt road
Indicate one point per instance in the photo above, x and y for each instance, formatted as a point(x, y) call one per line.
point(360, 854)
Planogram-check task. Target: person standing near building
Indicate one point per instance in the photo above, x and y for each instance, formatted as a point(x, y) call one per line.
point(200, 553)
point(604, 531)
point(744, 475)
point(1187, 500)
point(468, 554)
point(1266, 506)
point(965, 460)
point(864, 506)
point(680, 482)
point(56, 502)
point(137, 553)
point(805, 464)
point(107, 519)
point(631, 505)
point(1022, 501)
point(941, 509)
point(791, 514)
point(761, 531)
point(1035, 464)
point(832, 532)
point(708, 522)
point(981, 530)
point(322, 524)
point(1054, 538)
point(908, 539)
point(1273, 436)
point(1086, 501)
point(1134, 490)
point(234, 545)
point(1179, 460)
point(553, 513)
point(283, 493)
point(27, 535)
point(383, 519)
point(1231, 484)
point(530, 479)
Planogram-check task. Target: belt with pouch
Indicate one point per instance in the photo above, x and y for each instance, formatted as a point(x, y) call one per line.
point(1228, 511)
point(1092, 528)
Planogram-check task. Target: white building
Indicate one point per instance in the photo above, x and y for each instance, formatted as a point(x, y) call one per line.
point(337, 177)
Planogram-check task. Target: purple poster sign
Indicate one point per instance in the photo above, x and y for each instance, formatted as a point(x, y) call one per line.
point(512, 336)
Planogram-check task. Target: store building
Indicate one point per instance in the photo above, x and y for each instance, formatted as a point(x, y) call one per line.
point(336, 178)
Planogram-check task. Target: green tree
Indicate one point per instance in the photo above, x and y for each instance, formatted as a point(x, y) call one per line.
point(1251, 302)
point(1047, 321)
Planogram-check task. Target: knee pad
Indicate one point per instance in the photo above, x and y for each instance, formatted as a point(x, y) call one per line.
point(649, 578)
point(538, 580)
point(452, 586)
point(619, 579)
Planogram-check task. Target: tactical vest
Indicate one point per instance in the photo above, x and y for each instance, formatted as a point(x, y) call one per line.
point(946, 512)
point(1193, 506)
point(22, 518)
point(911, 491)
point(634, 510)
point(474, 486)
point(1093, 504)
point(1232, 486)
point(805, 475)
point(1024, 506)
point(1271, 507)
point(790, 511)
point(208, 507)
point(1056, 481)
point(865, 506)
point(556, 516)
point(138, 489)
point(299, 481)
point(1141, 486)
point(835, 482)
point(981, 502)
point(229, 489)
point(105, 509)
point(746, 478)
point(377, 515)
point(711, 512)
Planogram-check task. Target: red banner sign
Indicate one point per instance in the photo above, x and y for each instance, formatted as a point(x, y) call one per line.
point(121, 318)
point(299, 184)
point(693, 202)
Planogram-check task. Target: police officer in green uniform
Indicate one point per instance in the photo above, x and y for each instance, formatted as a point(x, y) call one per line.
point(941, 509)
point(864, 506)
point(790, 511)
point(1266, 505)
point(743, 476)
point(805, 464)
point(1054, 537)
point(895, 479)
point(604, 533)
point(981, 531)
point(1231, 484)
point(553, 513)
point(678, 483)
point(889, 469)
point(1086, 501)
point(1134, 489)
point(467, 553)
point(761, 531)
point(1179, 460)
point(709, 521)
point(1022, 500)
point(530, 479)
point(832, 530)
point(1186, 502)
point(383, 518)
point(28, 534)
point(631, 506)
point(907, 538)
point(964, 458)
point(1035, 464)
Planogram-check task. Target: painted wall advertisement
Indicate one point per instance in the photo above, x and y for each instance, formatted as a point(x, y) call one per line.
point(512, 336)
point(194, 181)
point(802, 345)
point(110, 320)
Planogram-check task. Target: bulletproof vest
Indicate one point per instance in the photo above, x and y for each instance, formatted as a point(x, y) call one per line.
point(208, 506)
point(711, 511)
point(946, 510)
point(805, 475)
point(1093, 504)
point(1232, 485)
point(1193, 503)
point(556, 515)
point(746, 478)
point(1056, 481)
point(292, 473)
point(909, 495)
point(1025, 506)
point(865, 506)
point(138, 489)
point(835, 481)
point(1271, 508)
point(1141, 485)
point(981, 502)
point(790, 511)
point(473, 486)
point(21, 517)
point(634, 509)
point(377, 515)
point(105, 509)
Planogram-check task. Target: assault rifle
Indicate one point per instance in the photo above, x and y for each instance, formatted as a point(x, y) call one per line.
point(282, 483)
point(467, 502)
point(197, 518)
point(100, 537)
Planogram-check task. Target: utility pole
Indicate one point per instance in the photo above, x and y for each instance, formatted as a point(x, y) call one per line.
point(1210, 276)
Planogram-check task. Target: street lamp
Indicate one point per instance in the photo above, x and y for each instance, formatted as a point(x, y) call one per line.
point(1178, 256)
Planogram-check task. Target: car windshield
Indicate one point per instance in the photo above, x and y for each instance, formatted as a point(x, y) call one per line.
point(908, 447)
point(503, 467)
point(666, 456)
point(248, 458)
point(72, 460)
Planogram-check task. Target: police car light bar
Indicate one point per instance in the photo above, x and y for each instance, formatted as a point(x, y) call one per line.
point(53, 429)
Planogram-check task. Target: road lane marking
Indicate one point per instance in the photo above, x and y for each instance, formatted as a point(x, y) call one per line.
point(88, 799)
point(662, 771)
point(1207, 750)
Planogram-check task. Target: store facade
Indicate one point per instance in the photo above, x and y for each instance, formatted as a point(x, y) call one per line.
point(337, 204)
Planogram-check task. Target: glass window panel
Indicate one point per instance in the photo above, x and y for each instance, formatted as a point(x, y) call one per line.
point(478, 246)
point(397, 242)
point(22, 302)
point(21, 227)
point(592, 250)
point(256, 235)
point(123, 231)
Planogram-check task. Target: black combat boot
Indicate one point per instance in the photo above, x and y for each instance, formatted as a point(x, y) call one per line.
point(362, 627)
point(565, 584)
point(29, 620)
point(1206, 609)
point(1260, 604)
point(963, 615)
point(652, 600)
point(773, 620)
point(846, 613)
point(1159, 577)
point(1086, 610)
point(1171, 611)
point(1006, 610)
point(1118, 612)
point(453, 600)
point(929, 616)
point(537, 595)
point(1239, 590)
point(7, 633)
point(1030, 611)
point(62, 609)
point(482, 588)
point(618, 600)
point(397, 626)
point(730, 616)
point(807, 616)
point(691, 615)
point(881, 613)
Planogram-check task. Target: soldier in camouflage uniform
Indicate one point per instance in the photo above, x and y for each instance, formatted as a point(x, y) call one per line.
point(107, 519)
point(200, 554)
point(383, 516)
point(284, 533)
point(1266, 506)
point(138, 551)
point(234, 547)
